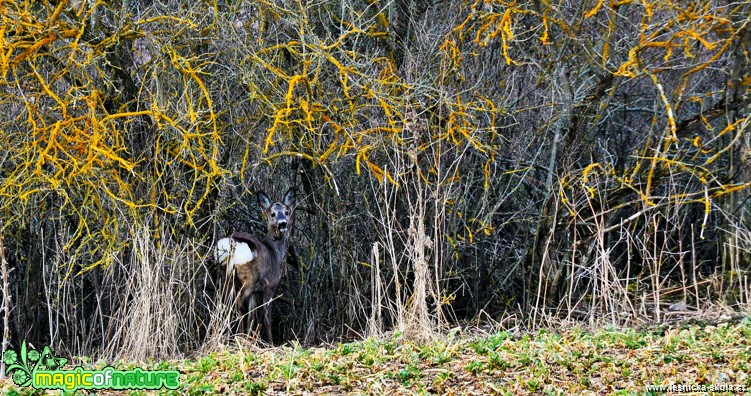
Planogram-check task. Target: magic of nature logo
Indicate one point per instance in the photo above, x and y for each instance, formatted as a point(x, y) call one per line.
point(43, 370)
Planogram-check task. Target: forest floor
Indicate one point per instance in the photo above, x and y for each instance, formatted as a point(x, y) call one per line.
point(661, 360)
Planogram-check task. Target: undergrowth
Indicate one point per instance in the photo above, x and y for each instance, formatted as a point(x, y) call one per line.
point(572, 361)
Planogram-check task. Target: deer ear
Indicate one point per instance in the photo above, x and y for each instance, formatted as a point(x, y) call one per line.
point(263, 200)
point(289, 197)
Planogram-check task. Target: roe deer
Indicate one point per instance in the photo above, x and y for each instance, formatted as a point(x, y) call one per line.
point(259, 265)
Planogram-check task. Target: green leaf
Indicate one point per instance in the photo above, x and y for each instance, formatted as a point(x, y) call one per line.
point(23, 353)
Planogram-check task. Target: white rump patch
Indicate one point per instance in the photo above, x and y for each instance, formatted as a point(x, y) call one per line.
point(230, 253)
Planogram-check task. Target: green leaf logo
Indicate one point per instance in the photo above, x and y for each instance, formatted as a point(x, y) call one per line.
point(22, 364)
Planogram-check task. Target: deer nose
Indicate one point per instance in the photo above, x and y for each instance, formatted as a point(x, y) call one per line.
point(283, 225)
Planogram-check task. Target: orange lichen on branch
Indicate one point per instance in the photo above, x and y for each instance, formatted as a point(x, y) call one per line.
point(731, 144)
point(48, 39)
point(594, 10)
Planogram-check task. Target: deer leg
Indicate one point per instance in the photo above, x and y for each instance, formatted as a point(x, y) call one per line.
point(268, 294)
point(252, 304)
point(243, 296)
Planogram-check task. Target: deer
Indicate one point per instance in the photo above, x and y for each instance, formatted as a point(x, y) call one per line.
point(258, 264)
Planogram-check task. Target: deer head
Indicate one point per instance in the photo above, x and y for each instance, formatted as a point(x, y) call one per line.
point(278, 214)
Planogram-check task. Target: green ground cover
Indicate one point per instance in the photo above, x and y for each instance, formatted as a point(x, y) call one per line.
point(572, 361)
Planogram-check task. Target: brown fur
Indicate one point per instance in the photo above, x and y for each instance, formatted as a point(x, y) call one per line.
point(263, 273)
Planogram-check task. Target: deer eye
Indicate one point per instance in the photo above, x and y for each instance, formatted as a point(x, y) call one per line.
point(286, 212)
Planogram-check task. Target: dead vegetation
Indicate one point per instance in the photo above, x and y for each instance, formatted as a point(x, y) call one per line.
point(554, 162)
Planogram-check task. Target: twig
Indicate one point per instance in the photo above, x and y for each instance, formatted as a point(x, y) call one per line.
point(6, 304)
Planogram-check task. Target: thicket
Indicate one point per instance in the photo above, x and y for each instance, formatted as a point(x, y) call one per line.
point(528, 160)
